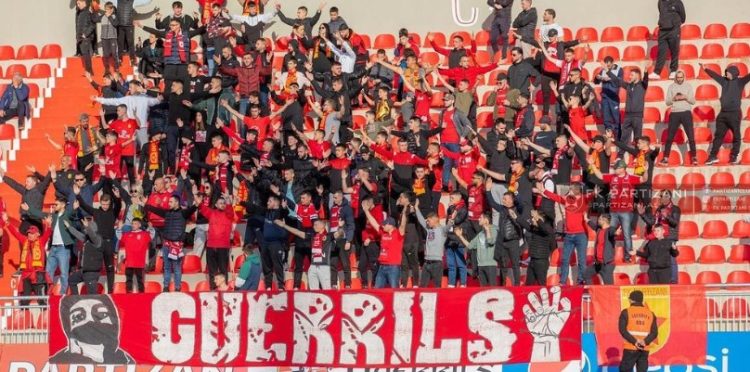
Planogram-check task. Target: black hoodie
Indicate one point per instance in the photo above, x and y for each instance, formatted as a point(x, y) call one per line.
point(731, 90)
point(671, 14)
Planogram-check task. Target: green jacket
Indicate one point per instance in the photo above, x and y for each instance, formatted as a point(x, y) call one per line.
point(57, 219)
point(485, 246)
point(211, 106)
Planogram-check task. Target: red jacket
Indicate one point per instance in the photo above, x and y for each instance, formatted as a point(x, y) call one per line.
point(158, 200)
point(31, 264)
point(247, 76)
point(135, 245)
point(219, 226)
point(469, 73)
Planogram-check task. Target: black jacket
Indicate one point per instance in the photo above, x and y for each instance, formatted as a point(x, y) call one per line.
point(525, 24)
point(609, 242)
point(85, 25)
point(34, 197)
point(125, 12)
point(672, 219)
point(671, 14)
point(659, 253)
point(502, 16)
point(541, 238)
point(731, 90)
point(186, 22)
point(519, 75)
point(92, 255)
point(635, 99)
point(175, 221)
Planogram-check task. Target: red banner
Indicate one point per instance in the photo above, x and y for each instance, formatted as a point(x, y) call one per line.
point(380, 328)
point(680, 313)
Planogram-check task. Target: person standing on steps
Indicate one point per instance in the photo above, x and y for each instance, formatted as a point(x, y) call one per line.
point(671, 18)
point(730, 115)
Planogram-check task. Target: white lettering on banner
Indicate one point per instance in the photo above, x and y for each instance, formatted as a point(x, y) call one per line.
point(163, 308)
point(455, 11)
point(220, 332)
point(403, 328)
point(449, 350)
point(85, 367)
point(362, 317)
point(257, 327)
point(487, 309)
point(312, 315)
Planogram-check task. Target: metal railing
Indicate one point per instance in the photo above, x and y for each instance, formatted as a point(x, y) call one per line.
point(24, 320)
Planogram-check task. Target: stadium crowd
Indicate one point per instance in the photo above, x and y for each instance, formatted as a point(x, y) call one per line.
point(191, 149)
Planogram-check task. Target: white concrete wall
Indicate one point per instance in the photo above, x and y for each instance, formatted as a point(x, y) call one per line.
point(52, 21)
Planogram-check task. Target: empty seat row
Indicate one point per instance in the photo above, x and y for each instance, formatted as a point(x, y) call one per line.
point(714, 254)
point(714, 229)
point(714, 204)
point(38, 71)
point(27, 52)
point(697, 181)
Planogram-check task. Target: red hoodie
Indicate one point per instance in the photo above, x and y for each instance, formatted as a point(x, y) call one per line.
point(219, 226)
point(575, 210)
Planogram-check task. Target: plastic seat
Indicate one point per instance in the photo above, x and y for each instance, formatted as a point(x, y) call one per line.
point(482, 38)
point(238, 263)
point(712, 51)
point(693, 181)
point(152, 287)
point(463, 34)
point(742, 67)
point(688, 52)
point(690, 204)
point(7, 53)
point(119, 288)
point(587, 34)
point(7, 132)
point(715, 31)
point(366, 40)
point(715, 229)
point(612, 34)
point(718, 204)
point(690, 32)
point(712, 254)
point(722, 180)
point(51, 51)
point(654, 93)
point(622, 279)
point(739, 50)
point(639, 33)
point(741, 229)
point(744, 182)
point(688, 230)
point(384, 41)
point(484, 120)
point(641, 279)
point(438, 38)
point(651, 115)
point(684, 278)
point(665, 181)
point(430, 58)
point(608, 51)
point(688, 70)
point(738, 277)
point(743, 204)
point(708, 277)
point(707, 92)
point(191, 264)
point(634, 53)
point(184, 287)
point(704, 114)
point(735, 308)
point(739, 254)
point(16, 68)
point(740, 31)
point(40, 71)
point(687, 254)
point(202, 286)
point(28, 51)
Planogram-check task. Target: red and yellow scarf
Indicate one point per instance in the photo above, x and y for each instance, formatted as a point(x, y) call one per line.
point(79, 137)
point(154, 155)
point(514, 177)
point(640, 163)
point(32, 255)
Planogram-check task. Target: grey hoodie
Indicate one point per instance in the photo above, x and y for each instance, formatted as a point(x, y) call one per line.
point(435, 241)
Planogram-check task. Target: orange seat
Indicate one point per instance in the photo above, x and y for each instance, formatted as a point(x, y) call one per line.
point(735, 308)
point(430, 58)
point(191, 264)
point(651, 134)
point(152, 287)
point(7, 132)
point(715, 31)
point(688, 70)
point(690, 32)
point(281, 44)
point(738, 277)
point(739, 50)
point(705, 114)
point(743, 204)
point(482, 38)
point(622, 279)
point(612, 34)
point(51, 51)
point(688, 52)
point(690, 204)
point(587, 35)
point(712, 254)
point(715, 229)
point(202, 286)
point(608, 51)
point(722, 180)
point(665, 181)
point(712, 51)
point(7, 52)
point(741, 229)
point(15, 68)
point(684, 278)
point(740, 253)
point(28, 51)
point(366, 40)
point(687, 254)
point(651, 115)
point(40, 71)
point(482, 57)
point(634, 53)
point(719, 204)
point(641, 279)
point(707, 92)
point(693, 181)
point(702, 75)
point(688, 230)
point(740, 31)
point(385, 41)
point(744, 182)
point(639, 33)
point(654, 93)
point(438, 38)
point(708, 277)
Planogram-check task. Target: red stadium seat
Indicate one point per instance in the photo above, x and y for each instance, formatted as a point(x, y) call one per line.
point(119, 288)
point(690, 32)
point(688, 70)
point(587, 35)
point(687, 254)
point(712, 254)
point(741, 229)
point(665, 181)
point(184, 287)
point(703, 135)
point(622, 279)
point(385, 41)
point(702, 75)
point(740, 31)
point(613, 34)
point(735, 308)
point(634, 53)
point(688, 230)
point(16, 68)
point(739, 50)
point(439, 39)
point(430, 58)
point(654, 93)
point(641, 279)
point(704, 114)
point(743, 204)
point(719, 204)
point(738, 277)
point(688, 52)
point(651, 115)
point(707, 92)
point(484, 120)
point(40, 71)
point(715, 31)
point(690, 204)
point(744, 182)
point(7, 53)
point(708, 277)
point(51, 51)
point(7, 132)
point(238, 263)
point(712, 308)
point(608, 51)
point(27, 52)
point(639, 33)
point(742, 67)
point(712, 51)
point(191, 264)
point(715, 229)
point(722, 180)
point(152, 287)
point(463, 34)
point(202, 286)
point(739, 254)
point(282, 44)
point(684, 278)
point(482, 38)
point(482, 57)
point(693, 181)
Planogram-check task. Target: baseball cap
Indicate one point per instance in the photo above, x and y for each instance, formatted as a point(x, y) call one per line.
point(389, 221)
point(620, 164)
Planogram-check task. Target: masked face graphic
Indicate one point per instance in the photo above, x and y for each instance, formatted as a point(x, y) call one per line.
point(94, 322)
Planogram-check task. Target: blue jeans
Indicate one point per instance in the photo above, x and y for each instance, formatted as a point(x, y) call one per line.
point(579, 243)
point(211, 63)
point(456, 260)
point(388, 276)
point(624, 219)
point(171, 265)
point(59, 256)
point(449, 163)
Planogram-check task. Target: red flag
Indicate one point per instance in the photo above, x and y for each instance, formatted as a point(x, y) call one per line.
point(680, 315)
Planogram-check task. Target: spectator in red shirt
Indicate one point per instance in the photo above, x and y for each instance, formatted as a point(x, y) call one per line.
point(457, 53)
point(112, 155)
point(220, 219)
point(391, 248)
point(134, 246)
point(125, 128)
point(464, 71)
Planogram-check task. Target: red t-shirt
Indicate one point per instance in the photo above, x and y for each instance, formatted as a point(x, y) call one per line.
point(260, 125)
point(70, 148)
point(391, 247)
point(317, 149)
point(621, 191)
point(135, 244)
point(112, 157)
point(578, 123)
point(306, 214)
point(449, 134)
point(476, 202)
point(125, 131)
point(422, 102)
point(369, 232)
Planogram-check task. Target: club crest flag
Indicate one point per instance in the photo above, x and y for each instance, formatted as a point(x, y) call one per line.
point(680, 314)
